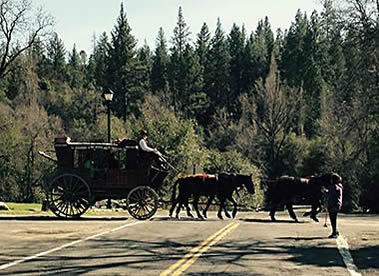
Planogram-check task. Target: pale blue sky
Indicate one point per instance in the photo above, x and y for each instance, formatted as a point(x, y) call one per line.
point(78, 20)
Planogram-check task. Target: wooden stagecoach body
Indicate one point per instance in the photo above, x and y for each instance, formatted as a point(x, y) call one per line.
point(88, 172)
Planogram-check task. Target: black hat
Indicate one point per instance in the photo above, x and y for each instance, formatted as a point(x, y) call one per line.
point(143, 132)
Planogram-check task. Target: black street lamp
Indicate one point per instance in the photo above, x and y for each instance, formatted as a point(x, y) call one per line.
point(108, 96)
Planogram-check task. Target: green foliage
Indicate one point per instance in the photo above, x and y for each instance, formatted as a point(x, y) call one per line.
point(234, 162)
point(174, 137)
point(98, 131)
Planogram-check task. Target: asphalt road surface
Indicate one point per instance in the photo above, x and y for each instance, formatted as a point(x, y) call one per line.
point(249, 245)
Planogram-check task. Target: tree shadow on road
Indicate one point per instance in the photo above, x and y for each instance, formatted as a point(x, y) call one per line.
point(366, 257)
point(102, 255)
point(139, 255)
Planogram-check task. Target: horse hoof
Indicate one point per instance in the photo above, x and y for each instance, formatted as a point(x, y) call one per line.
point(315, 218)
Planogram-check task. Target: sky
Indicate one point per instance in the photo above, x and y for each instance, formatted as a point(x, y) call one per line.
point(79, 21)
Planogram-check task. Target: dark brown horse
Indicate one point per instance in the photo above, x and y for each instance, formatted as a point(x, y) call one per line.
point(286, 188)
point(227, 184)
point(192, 186)
point(222, 186)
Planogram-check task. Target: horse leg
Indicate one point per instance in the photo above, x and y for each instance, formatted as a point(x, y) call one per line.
point(225, 210)
point(291, 212)
point(272, 211)
point(188, 209)
point(221, 207)
point(178, 209)
point(234, 213)
point(195, 205)
point(209, 202)
point(174, 202)
point(315, 210)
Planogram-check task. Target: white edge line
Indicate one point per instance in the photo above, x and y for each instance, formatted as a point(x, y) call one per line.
point(5, 266)
point(343, 248)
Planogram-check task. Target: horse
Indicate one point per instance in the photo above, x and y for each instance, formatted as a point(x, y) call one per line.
point(285, 188)
point(227, 184)
point(222, 186)
point(192, 185)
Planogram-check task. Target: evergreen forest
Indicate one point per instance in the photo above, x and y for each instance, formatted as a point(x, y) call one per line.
point(301, 101)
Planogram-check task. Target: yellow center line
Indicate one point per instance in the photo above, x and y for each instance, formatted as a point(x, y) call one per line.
point(196, 252)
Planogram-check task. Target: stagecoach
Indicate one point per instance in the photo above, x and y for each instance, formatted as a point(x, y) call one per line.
point(88, 172)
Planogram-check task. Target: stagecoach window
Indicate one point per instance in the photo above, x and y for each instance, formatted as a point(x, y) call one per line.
point(80, 157)
point(100, 157)
point(114, 160)
point(122, 159)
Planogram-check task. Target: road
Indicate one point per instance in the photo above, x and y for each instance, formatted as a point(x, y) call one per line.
point(247, 245)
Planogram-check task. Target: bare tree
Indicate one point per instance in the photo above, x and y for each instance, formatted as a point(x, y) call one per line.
point(276, 105)
point(20, 27)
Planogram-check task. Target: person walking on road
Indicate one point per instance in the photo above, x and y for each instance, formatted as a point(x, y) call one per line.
point(334, 202)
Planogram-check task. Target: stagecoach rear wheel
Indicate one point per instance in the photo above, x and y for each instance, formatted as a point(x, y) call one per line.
point(69, 196)
point(142, 202)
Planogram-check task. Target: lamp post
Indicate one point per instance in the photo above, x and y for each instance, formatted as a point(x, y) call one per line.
point(108, 96)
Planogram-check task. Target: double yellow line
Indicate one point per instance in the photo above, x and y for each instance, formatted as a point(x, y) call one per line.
point(180, 266)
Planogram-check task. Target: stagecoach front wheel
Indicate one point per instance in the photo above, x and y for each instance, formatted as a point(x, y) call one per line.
point(69, 196)
point(142, 202)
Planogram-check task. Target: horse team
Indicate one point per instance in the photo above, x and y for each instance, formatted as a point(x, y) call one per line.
point(282, 190)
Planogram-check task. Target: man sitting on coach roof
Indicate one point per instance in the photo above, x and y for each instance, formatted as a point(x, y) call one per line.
point(152, 152)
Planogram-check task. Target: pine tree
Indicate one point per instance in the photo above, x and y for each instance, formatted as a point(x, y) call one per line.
point(98, 62)
point(144, 67)
point(177, 71)
point(56, 53)
point(195, 100)
point(203, 45)
point(313, 83)
point(264, 43)
point(217, 75)
point(75, 69)
point(159, 74)
point(236, 45)
point(291, 66)
point(200, 101)
point(250, 71)
point(121, 69)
